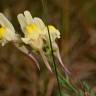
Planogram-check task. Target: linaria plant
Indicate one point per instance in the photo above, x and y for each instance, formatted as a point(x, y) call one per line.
point(36, 35)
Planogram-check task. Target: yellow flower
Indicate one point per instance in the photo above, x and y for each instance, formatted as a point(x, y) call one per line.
point(32, 29)
point(7, 32)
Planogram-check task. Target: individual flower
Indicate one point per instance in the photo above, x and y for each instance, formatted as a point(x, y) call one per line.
point(7, 31)
point(33, 33)
point(32, 29)
point(54, 34)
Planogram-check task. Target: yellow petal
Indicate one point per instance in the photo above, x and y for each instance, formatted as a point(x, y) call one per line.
point(2, 32)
